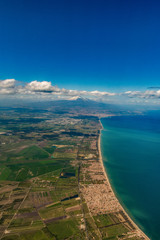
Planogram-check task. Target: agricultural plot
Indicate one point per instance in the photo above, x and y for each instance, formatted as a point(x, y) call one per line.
point(70, 229)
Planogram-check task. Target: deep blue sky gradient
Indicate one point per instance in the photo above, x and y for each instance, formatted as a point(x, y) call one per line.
point(96, 44)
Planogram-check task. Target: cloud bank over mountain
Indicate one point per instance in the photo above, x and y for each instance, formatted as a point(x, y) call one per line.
point(146, 94)
point(45, 90)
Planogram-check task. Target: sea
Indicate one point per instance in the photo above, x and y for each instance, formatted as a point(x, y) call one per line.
point(130, 148)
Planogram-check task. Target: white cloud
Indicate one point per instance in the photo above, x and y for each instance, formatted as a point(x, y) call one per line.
point(6, 91)
point(72, 92)
point(45, 90)
point(95, 93)
point(98, 93)
point(7, 83)
point(145, 94)
point(43, 86)
point(7, 86)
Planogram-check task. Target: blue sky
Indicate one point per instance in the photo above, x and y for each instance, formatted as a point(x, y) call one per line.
point(105, 45)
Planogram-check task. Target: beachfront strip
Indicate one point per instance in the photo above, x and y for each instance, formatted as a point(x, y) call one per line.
point(102, 202)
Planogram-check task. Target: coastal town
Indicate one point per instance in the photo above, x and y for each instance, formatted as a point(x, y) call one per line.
point(53, 184)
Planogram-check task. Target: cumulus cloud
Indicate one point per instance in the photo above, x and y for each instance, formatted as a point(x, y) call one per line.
point(45, 90)
point(71, 92)
point(7, 86)
point(145, 94)
point(7, 83)
point(86, 93)
point(43, 86)
point(6, 91)
point(98, 93)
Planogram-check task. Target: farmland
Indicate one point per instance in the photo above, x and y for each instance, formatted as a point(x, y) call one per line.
point(46, 163)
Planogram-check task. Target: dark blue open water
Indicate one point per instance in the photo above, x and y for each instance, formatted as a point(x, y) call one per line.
point(131, 154)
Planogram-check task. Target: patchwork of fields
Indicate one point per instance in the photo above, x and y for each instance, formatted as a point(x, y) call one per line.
point(45, 161)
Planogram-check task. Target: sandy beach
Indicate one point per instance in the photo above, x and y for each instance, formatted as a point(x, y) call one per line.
point(138, 231)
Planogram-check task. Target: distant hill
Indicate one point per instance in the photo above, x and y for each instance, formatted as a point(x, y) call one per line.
point(75, 105)
point(81, 105)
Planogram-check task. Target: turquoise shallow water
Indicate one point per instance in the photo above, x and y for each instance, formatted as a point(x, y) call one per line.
point(131, 154)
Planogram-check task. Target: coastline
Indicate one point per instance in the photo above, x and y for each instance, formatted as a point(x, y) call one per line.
point(138, 231)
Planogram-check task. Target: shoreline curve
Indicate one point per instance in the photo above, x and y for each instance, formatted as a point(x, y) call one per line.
point(139, 232)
